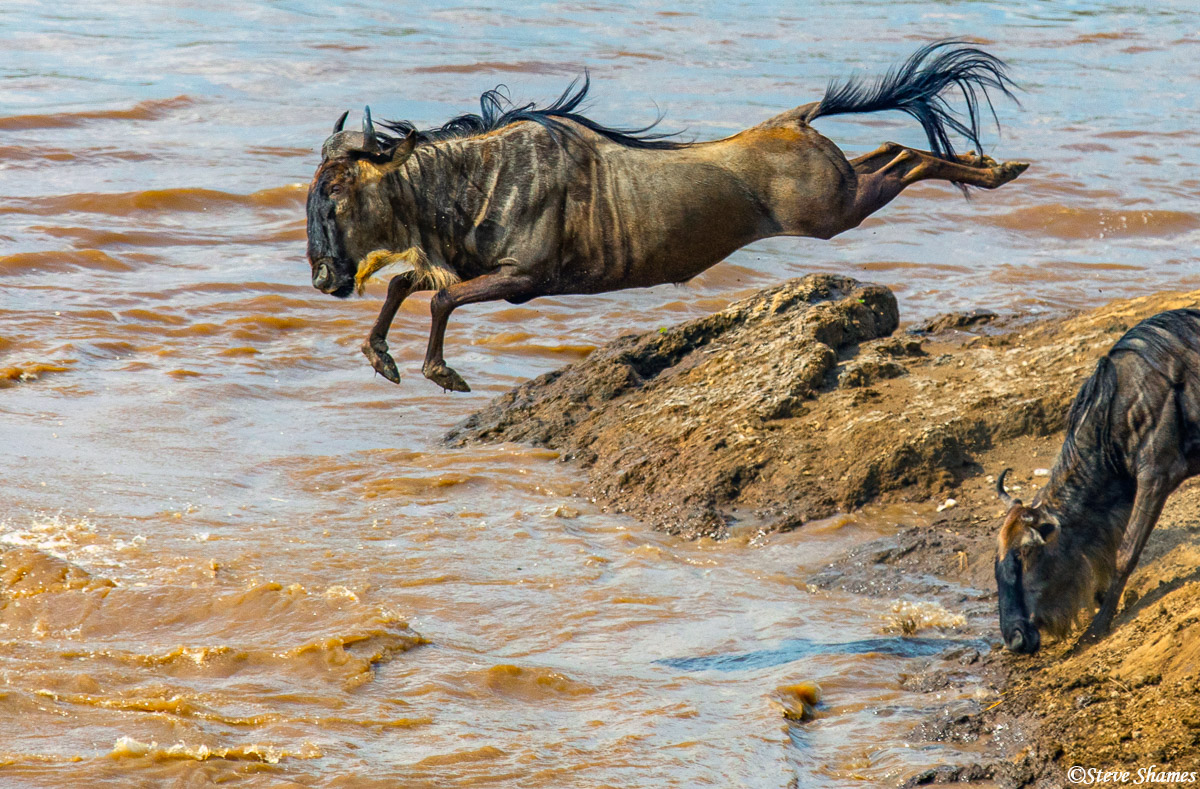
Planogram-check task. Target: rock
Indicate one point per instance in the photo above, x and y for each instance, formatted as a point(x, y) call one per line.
point(954, 320)
point(868, 371)
point(675, 425)
point(898, 347)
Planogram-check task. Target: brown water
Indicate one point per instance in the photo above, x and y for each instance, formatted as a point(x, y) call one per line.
point(236, 556)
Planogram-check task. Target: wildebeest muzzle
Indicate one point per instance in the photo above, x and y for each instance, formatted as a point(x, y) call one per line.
point(327, 279)
point(322, 278)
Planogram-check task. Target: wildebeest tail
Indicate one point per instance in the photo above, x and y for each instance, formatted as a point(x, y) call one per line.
point(917, 87)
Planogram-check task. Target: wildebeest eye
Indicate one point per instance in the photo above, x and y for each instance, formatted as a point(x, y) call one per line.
point(337, 190)
point(1048, 531)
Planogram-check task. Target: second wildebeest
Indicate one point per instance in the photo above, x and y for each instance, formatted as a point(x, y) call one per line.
point(1133, 435)
point(520, 202)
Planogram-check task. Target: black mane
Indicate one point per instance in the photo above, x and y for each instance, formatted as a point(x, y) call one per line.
point(1156, 341)
point(496, 110)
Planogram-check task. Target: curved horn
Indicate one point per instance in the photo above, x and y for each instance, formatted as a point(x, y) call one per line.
point(341, 122)
point(1008, 500)
point(370, 141)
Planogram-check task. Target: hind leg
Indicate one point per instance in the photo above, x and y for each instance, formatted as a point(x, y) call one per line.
point(878, 184)
point(869, 163)
point(969, 170)
point(884, 154)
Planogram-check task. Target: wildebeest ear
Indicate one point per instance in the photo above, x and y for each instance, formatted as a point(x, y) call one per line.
point(1038, 530)
point(400, 152)
point(377, 165)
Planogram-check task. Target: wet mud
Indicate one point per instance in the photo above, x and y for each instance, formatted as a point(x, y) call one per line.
point(832, 409)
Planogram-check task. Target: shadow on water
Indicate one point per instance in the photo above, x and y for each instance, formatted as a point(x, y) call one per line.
point(798, 648)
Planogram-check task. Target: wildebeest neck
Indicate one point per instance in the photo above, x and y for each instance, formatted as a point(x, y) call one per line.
point(1087, 492)
point(460, 200)
point(1091, 500)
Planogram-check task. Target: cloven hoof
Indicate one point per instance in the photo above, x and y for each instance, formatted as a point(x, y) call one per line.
point(377, 353)
point(446, 378)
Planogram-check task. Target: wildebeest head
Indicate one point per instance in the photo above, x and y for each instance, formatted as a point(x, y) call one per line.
point(1035, 582)
point(349, 214)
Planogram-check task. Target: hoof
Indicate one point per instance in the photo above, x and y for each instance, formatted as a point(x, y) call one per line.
point(377, 353)
point(1002, 173)
point(1010, 170)
point(446, 378)
point(1096, 631)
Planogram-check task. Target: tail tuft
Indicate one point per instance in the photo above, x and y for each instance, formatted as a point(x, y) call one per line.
point(916, 87)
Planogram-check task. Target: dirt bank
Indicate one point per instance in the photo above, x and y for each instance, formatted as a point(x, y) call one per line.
point(795, 404)
point(801, 401)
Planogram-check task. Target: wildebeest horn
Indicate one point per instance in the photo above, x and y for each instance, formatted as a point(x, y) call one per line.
point(370, 141)
point(341, 122)
point(1008, 500)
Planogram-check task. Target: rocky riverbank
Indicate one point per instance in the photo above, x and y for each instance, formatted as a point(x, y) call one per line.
point(803, 401)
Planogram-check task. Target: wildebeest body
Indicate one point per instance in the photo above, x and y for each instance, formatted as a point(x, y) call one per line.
point(1133, 435)
point(625, 217)
point(534, 203)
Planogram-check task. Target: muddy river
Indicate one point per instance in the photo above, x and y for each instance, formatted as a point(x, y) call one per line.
point(235, 555)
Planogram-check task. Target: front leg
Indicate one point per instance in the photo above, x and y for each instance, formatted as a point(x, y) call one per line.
point(1147, 506)
point(1161, 467)
point(503, 284)
point(375, 348)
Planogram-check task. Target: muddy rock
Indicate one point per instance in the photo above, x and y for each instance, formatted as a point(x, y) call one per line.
point(787, 407)
point(676, 425)
point(867, 371)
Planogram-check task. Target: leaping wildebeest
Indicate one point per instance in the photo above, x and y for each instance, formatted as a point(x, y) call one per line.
point(520, 202)
point(1133, 435)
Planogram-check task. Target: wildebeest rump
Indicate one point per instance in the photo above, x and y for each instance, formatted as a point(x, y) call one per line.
point(1133, 435)
point(523, 202)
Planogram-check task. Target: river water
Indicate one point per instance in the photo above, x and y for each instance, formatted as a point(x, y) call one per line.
point(235, 555)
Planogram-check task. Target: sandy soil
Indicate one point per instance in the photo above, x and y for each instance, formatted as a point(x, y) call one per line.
point(800, 402)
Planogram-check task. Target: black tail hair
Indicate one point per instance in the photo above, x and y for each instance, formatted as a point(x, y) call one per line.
point(916, 87)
